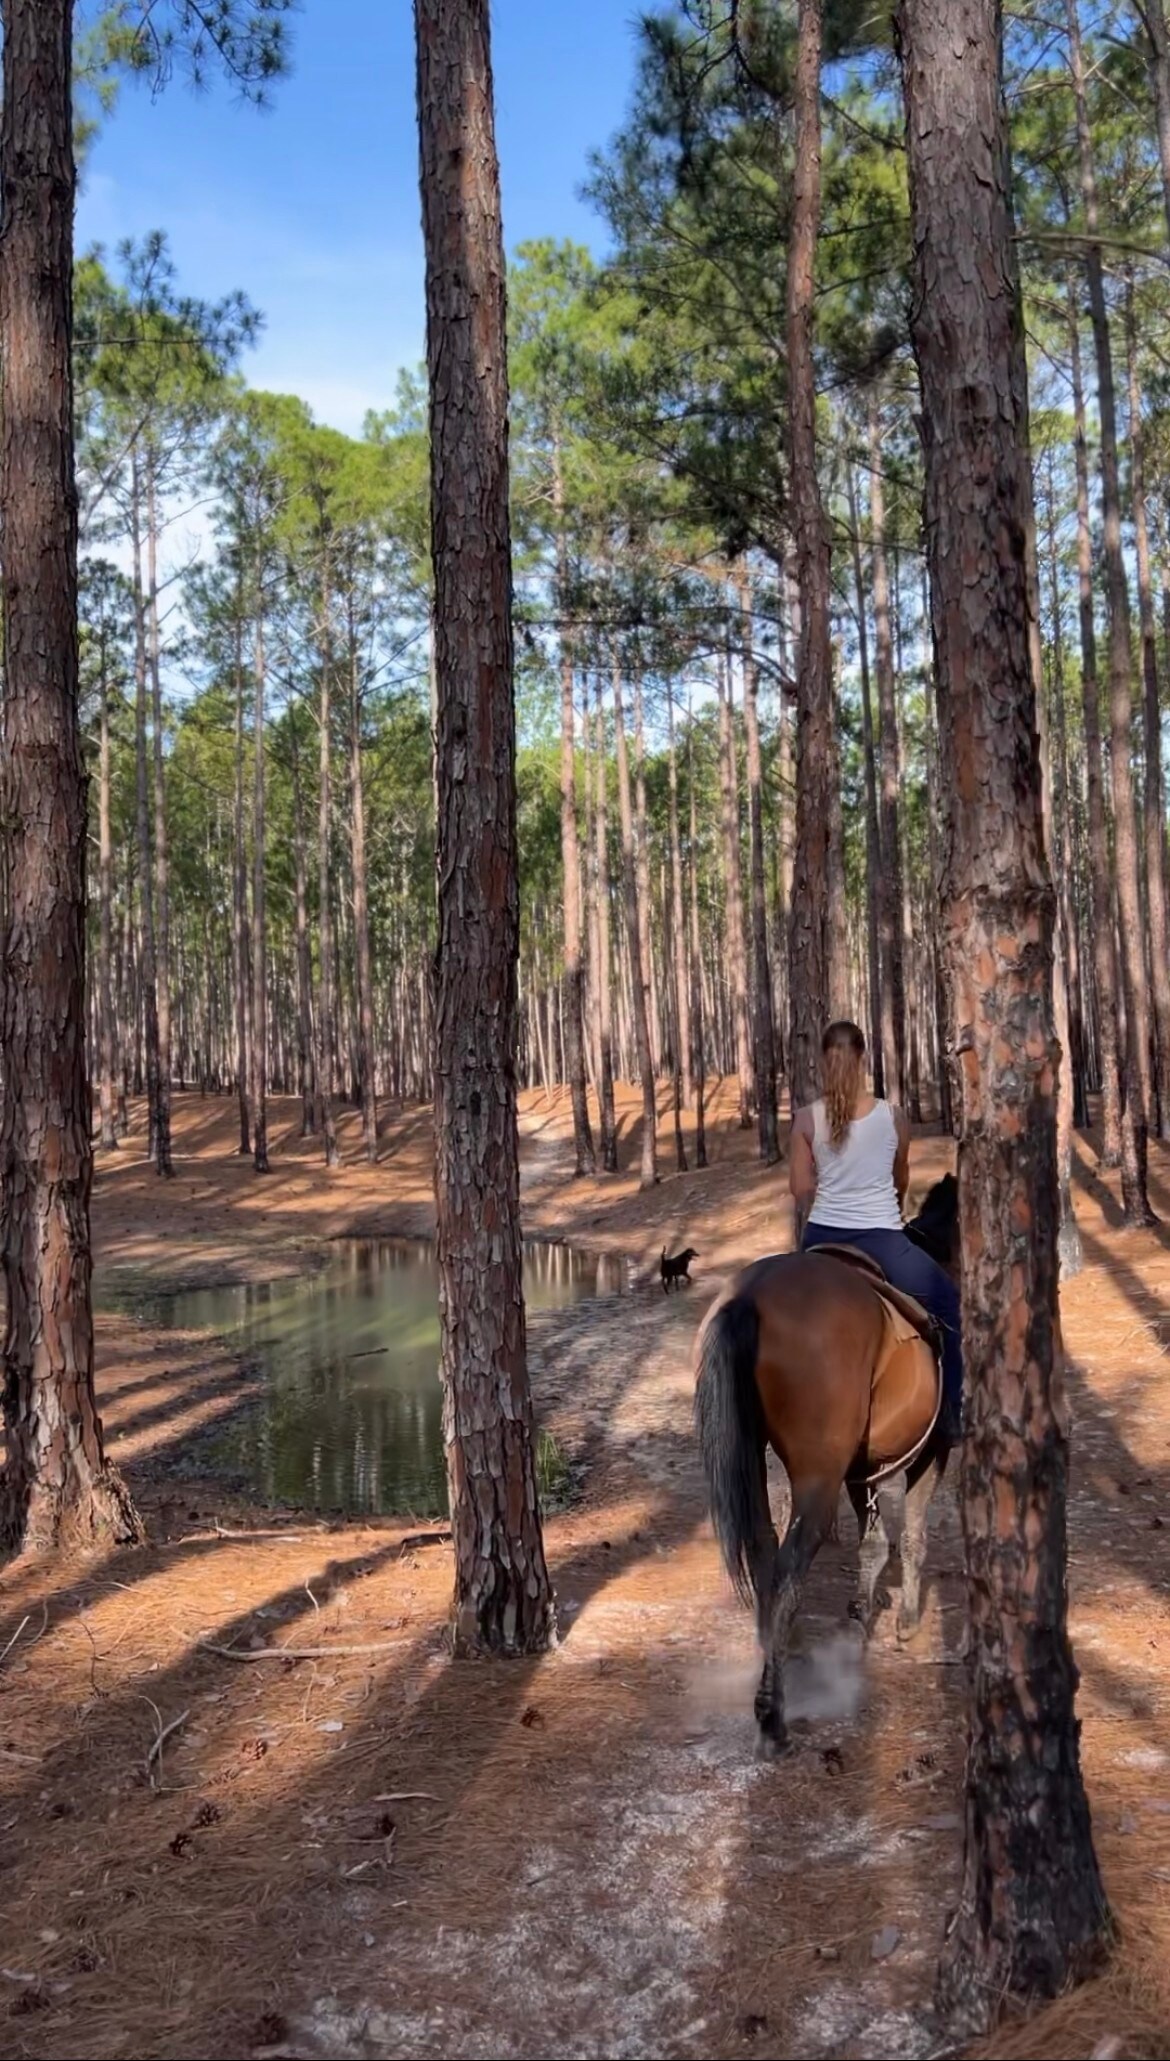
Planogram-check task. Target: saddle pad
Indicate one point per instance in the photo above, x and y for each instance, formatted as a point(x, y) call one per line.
point(905, 1395)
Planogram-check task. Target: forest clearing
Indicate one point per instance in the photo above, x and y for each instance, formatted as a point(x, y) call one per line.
point(580, 1855)
point(584, 1029)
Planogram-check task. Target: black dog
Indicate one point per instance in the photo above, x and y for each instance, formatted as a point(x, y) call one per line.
point(677, 1270)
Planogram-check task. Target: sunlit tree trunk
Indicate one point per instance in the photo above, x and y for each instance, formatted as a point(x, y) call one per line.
point(240, 903)
point(1134, 985)
point(585, 1158)
point(327, 988)
point(893, 1000)
point(503, 1596)
point(162, 891)
point(361, 912)
point(639, 980)
point(57, 1488)
point(1100, 868)
point(259, 1095)
point(147, 959)
point(303, 956)
point(874, 887)
point(108, 1132)
point(812, 919)
point(678, 941)
point(698, 1060)
point(763, 1025)
point(1154, 793)
point(1031, 1915)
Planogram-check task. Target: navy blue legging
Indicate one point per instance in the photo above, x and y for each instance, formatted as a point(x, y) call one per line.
point(909, 1268)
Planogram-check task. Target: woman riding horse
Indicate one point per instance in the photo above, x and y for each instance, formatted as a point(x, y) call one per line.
point(800, 1353)
point(851, 1158)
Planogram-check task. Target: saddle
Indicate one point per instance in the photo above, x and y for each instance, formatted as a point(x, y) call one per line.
point(906, 1389)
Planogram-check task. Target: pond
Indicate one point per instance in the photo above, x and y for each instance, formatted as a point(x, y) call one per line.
point(350, 1417)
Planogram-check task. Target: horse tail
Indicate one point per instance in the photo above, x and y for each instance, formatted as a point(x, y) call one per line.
point(729, 1421)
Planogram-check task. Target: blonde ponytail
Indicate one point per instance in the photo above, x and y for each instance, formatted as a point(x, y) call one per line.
point(842, 1077)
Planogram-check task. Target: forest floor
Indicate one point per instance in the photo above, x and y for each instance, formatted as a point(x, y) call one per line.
point(376, 1852)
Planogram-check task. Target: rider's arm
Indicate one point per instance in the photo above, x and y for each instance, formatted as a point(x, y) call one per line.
point(802, 1172)
point(902, 1158)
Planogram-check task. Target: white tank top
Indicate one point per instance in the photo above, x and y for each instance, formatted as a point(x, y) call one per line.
point(855, 1180)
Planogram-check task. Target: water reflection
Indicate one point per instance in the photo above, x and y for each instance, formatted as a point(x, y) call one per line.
point(351, 1417)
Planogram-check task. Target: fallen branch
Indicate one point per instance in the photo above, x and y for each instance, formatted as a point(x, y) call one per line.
point(406, 1796)
point(12, 1641)
point(300, 1652)
point(163, 1735)
point(423, 1538)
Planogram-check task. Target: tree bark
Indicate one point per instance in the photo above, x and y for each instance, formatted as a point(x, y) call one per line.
point(639, 984)
point(503, 1595)
point(147, 960)
point(304, 962)
point(1154, 793)
point(57, 1487)
point(698, 1059)
point(259, 1095)
point(164, 1164)
point(108, 1133)
point(1032, 1914)
point(642, 861)
point(240, 902)
point(678, 939)
point(812, 919)
point(326, 1028)
point(733, 893)
point(603, 957)
point(1104, 948)
point(873, 862)
point(893, 1016)
point(361, 912)
point(1134, 986)
point(1153, 18)
point(585, 1157)
point(763, 1024)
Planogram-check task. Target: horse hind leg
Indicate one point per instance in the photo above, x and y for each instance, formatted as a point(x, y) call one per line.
point(919, 1495)
point(873, 1546)
point(808, 1526)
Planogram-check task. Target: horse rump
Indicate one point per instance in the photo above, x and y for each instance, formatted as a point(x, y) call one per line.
point(729, 1423)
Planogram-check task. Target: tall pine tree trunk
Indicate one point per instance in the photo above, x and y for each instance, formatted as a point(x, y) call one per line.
point(698, 1060)
point(259, 1095)
point(147, 961)
point(327, 988)
point(678, 941)
point(1154, 793)
point(763, 1026)
point(162, 948)
point(1134, 985)
point(642, 857)
point(503, 1596)
point(733, 893)
point(304, 961)
point(812, 919)
point(603, 956)
point(240, 903)
point(1031, 1915)
point(893, 1012)
point(361, 911)
point(585, 1158)
point(108, 1133)
point(57, 1488)
point(1100, 869)
point(639, 976)
point(874, 886)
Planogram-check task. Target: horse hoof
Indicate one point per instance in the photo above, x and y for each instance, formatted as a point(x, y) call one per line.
point(907, 1629)
point(772, 1746)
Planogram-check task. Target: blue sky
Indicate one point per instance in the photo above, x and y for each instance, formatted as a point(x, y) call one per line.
point(312, 207)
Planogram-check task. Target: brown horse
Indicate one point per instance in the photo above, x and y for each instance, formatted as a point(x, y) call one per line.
point(816, 1356)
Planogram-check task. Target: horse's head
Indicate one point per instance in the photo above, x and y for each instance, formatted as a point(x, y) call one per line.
point(936, 1227)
